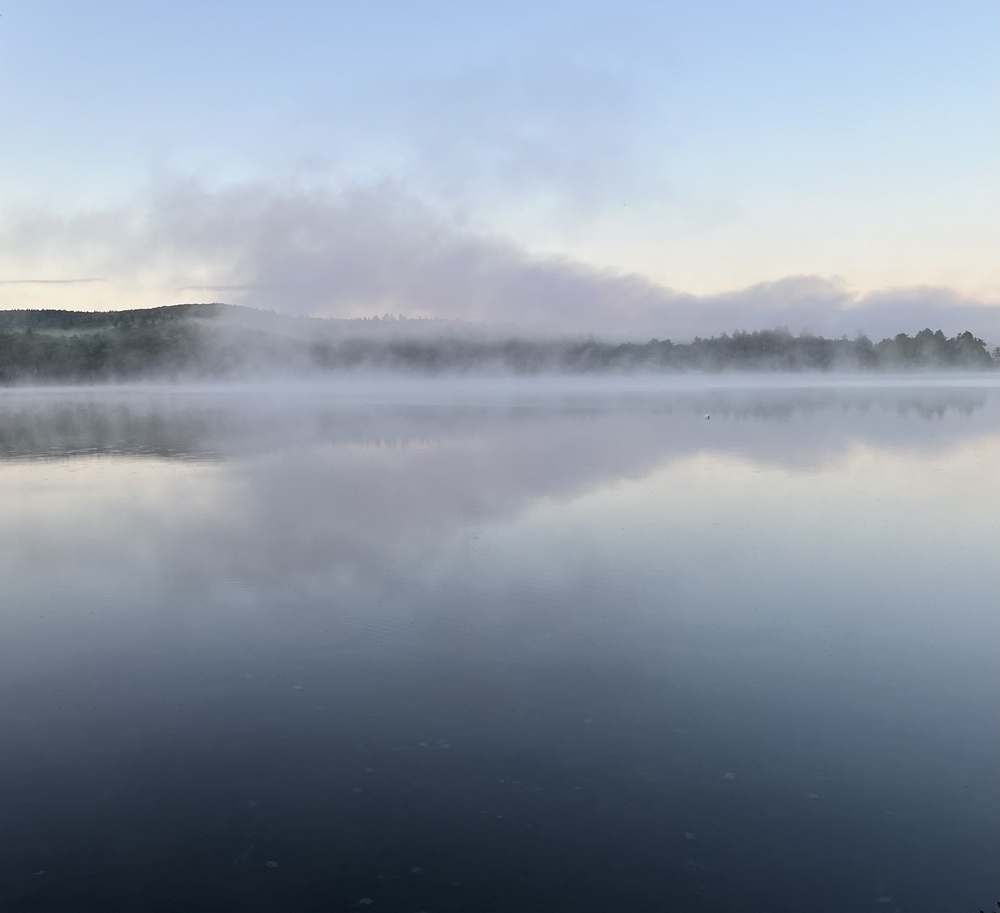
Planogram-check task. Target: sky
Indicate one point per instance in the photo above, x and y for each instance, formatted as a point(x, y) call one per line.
point(622, 166)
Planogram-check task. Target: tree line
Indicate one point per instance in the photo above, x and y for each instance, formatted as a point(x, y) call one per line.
point(185, 341)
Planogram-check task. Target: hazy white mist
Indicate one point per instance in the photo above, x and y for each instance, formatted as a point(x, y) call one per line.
point(373, 250)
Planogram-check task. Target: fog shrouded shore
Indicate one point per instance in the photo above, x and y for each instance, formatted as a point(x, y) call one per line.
point(218, 341)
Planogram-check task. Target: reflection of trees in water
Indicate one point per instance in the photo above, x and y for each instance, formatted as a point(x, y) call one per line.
point(86, 429)
point(936, 410)
point(784, 407)
point(187, 431)
point(216, 426)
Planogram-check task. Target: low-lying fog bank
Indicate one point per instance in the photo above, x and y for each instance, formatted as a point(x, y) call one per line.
point(202, 342)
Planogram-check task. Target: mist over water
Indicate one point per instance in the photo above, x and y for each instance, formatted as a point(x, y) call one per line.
point(636, 644)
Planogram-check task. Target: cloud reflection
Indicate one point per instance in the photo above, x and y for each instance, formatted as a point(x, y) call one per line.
point(189, 498)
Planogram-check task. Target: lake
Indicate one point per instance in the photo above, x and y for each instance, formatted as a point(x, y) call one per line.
point(642, 645)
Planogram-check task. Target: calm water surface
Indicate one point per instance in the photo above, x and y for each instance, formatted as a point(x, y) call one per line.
point(500, 647)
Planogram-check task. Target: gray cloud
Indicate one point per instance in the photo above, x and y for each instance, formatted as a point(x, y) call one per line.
point(217, 287)
point(374, 250)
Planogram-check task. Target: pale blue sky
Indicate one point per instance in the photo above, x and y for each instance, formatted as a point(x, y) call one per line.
point(704, 147)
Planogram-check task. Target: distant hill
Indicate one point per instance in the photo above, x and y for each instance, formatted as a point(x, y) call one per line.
point(53, 321)
point(227, 341)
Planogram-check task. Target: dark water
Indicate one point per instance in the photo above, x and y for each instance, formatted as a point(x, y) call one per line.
point(500, 648)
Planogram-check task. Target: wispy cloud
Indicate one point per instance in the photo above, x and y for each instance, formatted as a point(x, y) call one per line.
point(565, 137)
point(82, 281)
